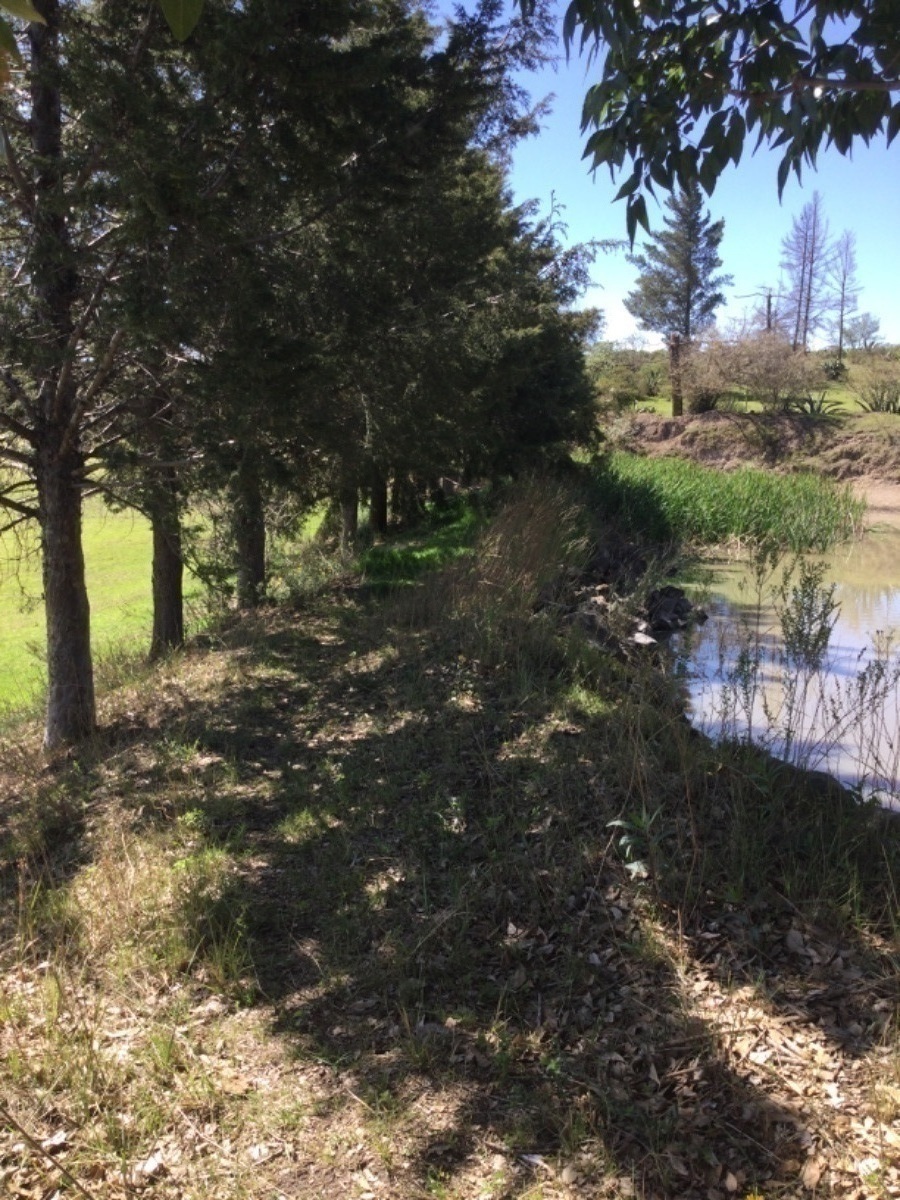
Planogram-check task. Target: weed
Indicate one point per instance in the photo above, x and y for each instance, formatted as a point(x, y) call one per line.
point(816, 406)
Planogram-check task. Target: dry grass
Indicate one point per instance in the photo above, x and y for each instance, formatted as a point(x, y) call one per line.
point(434, 899)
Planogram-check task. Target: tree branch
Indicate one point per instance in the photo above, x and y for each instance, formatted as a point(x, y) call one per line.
point(15, 456)
point(805, 83)
point(16, 390)
point(10, 525)
point(25, 511)
point(79, 331)
point(26, 199)
point(100, 377)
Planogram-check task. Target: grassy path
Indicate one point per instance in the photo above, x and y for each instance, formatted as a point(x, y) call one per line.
point(420, 899)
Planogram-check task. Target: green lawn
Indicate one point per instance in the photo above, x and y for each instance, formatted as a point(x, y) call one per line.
point(117, 548)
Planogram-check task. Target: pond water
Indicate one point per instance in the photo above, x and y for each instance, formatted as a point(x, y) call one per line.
point(838, 712)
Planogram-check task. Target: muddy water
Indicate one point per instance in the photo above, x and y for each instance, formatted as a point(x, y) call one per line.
point(843, 717)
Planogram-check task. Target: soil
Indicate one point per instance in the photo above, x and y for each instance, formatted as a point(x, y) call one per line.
point(863, 450)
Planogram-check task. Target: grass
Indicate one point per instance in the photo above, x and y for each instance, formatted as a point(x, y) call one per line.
point(428, 895)
point(670, 500)
point(448, 534)
point(117, 548)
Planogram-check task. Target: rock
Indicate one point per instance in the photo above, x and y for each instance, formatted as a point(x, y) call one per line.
point(669, 609)
point(643, 639)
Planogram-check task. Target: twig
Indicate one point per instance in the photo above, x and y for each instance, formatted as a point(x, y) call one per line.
point(36, 1146)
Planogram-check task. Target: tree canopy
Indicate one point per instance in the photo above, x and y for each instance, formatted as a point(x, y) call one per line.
point(278, 258)
point(684, 82)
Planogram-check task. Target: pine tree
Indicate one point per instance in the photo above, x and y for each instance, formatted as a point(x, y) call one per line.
point(678, 290)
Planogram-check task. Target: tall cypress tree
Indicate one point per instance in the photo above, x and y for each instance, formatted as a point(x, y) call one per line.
point(678, 290)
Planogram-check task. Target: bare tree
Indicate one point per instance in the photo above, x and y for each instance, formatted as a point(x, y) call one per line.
point(844, 285)
point(806, 255)
point(862, 333)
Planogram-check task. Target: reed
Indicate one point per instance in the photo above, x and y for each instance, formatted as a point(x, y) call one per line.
point(670, 500)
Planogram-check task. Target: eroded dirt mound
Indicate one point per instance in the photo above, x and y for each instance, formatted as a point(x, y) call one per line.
point(849, 448)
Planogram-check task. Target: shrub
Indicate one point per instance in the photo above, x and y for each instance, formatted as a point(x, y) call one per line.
point(770, 371)
point(815, 406)
point(877, 386)
point(834, 369)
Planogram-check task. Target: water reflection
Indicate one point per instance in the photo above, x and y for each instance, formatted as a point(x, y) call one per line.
point(844, 715)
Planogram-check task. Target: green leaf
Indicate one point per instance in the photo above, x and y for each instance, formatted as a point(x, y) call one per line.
point(714, 132)
point(636, 214)
point(709, 172)
point(783, 168)
point(182, 16)
point(569, 23)
point(893, 124)
point(629, 186)
point(736, 131)
point(23, 9)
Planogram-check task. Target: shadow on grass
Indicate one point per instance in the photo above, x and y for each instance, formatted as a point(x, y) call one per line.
point(435, 904)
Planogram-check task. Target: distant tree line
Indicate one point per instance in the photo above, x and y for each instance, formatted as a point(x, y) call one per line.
point(679, 290)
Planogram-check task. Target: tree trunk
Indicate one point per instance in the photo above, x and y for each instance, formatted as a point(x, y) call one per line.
point(675, 374)
point(349, 502)
point(168, 571)
point(71, 711)
point(249, 530)
point(405, 502)
point(378, 499)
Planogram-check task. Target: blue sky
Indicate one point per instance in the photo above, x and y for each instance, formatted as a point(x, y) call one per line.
point(861, 194)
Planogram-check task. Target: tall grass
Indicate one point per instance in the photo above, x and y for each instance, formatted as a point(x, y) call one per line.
point(670, 500)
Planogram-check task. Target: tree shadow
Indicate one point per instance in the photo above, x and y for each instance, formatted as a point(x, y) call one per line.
point(435, 904)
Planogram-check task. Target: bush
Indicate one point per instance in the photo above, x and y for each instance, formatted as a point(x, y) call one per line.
point(834, 369)
point(773, 373)
point(877, 387)
point(623, 376)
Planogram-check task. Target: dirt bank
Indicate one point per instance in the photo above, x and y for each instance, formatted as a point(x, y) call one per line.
point(863, 446)
point(883, 500)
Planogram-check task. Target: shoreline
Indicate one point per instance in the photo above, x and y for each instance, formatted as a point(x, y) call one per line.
point(883, 500)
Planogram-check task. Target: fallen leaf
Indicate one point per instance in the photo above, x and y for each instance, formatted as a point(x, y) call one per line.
point(793, 939)
point(56, 1141)
point(811, 1173)
point(150, 1168)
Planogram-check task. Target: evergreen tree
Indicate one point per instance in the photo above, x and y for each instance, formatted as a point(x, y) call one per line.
point(127, 161)
point(678, 290)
